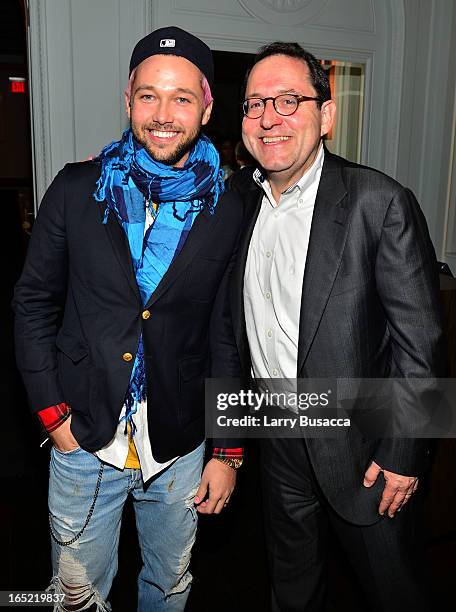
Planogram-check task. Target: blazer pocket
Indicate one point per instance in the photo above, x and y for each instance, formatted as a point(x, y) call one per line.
point(192, 372)
point(72, 347)
point(191, 367)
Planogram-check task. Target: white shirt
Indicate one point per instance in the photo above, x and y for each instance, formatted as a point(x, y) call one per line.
point(274, 274)
point(115, 453)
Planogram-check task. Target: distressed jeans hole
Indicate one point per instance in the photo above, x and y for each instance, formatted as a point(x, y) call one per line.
point(77, 598)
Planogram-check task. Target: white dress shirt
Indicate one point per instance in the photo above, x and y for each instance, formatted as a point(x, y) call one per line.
point(274, 274)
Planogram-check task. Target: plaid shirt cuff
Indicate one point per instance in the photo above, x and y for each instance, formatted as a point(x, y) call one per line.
point(51, 418)
point(228, 453)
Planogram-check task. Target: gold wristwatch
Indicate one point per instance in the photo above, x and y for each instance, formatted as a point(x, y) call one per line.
point(233, 463)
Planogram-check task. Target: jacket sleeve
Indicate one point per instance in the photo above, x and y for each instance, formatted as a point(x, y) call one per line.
point(39, 300)
point(225, 361)
point(408, 286)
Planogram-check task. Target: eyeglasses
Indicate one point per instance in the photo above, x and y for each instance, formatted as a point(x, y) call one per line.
point(285, 104)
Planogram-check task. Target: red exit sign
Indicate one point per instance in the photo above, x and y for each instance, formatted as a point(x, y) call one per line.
point(17, 85)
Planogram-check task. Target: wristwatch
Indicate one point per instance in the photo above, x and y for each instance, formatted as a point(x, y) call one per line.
point(233, 463)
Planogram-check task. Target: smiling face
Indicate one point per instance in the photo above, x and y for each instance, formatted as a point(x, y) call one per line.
point(166, 107)
point(285, 146)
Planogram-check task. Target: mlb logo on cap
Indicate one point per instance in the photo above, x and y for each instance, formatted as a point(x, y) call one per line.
point(167, 42)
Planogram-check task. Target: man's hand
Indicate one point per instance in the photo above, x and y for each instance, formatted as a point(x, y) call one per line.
point(398, 489)
point(217, 482)
point(62, 438)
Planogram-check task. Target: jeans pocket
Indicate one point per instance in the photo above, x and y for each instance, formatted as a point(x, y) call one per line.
point(73, 451)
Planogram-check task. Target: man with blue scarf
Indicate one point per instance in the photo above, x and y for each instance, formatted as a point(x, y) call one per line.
point(121, 313)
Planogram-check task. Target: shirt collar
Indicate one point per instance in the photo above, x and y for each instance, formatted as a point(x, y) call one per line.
point(310, 176)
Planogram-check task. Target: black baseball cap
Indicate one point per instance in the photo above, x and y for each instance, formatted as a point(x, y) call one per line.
point(175, 41)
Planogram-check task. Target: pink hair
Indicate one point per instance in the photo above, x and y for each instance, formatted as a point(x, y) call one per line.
point(207, 91)
point(204, 84)
point(130, 83)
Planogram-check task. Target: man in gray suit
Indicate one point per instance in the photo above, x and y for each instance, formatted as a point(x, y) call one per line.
point(336, 278)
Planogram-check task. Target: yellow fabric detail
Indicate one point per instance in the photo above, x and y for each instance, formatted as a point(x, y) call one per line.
point(132, 457)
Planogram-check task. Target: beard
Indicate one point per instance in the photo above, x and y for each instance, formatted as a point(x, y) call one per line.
point(169, 158)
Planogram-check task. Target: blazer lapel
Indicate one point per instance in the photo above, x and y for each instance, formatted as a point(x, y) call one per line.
point(328, 234)
point(196, 239)
point(121, 248)
point(252, 201)
point(194, 242)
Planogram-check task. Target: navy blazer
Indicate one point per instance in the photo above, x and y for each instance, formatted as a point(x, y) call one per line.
point(79, 315)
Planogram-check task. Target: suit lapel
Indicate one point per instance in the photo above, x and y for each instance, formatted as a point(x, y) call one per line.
point(252, 201)
point(328, 234)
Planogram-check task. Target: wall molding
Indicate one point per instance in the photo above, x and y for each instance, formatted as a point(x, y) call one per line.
point(39, 97)
point(277, 12)
point(396, 14)
point(450, 203)
point(428, 113)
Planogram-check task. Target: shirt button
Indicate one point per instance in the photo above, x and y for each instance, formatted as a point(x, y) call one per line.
point(268, 295)
point(275, 372)
point(269, 333)
point(276, 214)
point(146, 314)
point(127, 356)
point(268, 254)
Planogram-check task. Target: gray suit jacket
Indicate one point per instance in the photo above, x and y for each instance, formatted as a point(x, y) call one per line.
point(370, 308)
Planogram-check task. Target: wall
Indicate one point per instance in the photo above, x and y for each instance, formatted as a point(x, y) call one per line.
point(79, 52)
point(450, 220)
point(427, 113)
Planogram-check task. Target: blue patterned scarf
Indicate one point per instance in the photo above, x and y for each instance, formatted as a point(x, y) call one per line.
point(130, 180)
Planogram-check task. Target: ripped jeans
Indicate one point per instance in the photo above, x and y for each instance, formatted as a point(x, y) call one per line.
point(165, 519)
